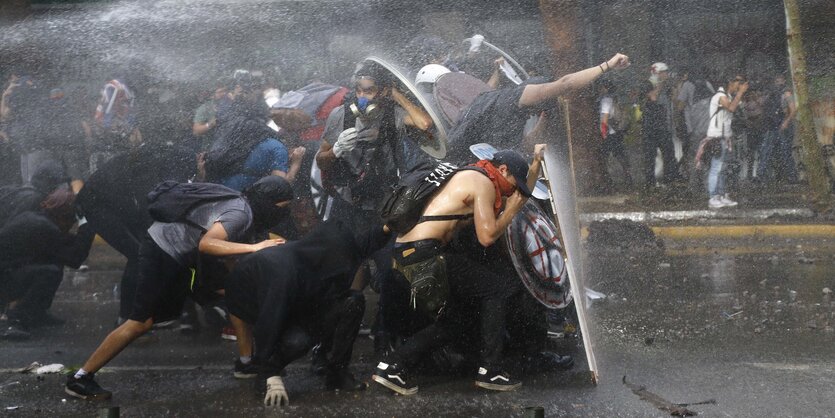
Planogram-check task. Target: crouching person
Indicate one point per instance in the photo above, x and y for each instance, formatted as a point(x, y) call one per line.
point(214, 226)
point(34, 247)
point(463, 294)
point(298, 294)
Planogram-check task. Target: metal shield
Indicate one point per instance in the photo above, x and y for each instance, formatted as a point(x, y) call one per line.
point(434, 144)
point(538, 256)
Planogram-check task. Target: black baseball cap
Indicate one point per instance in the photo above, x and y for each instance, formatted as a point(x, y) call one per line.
point(517, 166)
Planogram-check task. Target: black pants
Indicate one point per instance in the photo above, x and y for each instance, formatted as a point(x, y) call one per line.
point(613, 144)
point(124, 233)
point(659, 139)
point(336, 329)
point(33, 287)
point(478, 302)
point(162, 285)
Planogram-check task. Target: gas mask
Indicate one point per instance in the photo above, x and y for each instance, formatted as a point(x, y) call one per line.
point(365, 108)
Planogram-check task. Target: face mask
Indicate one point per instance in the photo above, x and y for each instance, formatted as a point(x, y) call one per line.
point(364, 108)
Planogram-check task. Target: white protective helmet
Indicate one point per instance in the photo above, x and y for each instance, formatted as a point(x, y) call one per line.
point(430, 73)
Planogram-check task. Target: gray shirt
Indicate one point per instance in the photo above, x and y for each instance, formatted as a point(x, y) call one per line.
point(180, 239)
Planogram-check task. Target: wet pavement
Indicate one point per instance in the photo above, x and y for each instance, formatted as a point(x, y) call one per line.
point(744, 322)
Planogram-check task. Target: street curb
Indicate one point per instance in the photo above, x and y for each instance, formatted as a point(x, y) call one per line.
point(740, 231)
point(746, 215)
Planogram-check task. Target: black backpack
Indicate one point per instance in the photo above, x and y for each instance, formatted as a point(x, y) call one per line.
point(402, 208)
point(170, 201)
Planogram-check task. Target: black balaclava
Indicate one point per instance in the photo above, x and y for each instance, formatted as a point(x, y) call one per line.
point(262, 197)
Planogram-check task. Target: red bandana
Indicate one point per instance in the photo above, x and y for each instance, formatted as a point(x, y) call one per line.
point(503, 187)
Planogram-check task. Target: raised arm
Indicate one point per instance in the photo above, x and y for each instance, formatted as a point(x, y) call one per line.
point(415, 115)
point(535, 94)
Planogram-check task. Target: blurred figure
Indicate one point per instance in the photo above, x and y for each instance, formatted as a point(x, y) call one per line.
point(612, 126)
point(205, 117)
point(656, 135)
point(776, 150)
point(718, 145)
point(34, 247)
point(114, 127)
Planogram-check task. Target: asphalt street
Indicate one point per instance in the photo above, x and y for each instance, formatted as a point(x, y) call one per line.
point(743, 323)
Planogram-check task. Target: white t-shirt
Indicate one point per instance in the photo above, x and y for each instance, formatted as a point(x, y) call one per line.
point(720, 122)
point(606, 106)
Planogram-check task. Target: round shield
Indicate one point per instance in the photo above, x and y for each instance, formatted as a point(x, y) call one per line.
point(434, 143)
point(538, 256)
point(454, 92)
point(321, 199)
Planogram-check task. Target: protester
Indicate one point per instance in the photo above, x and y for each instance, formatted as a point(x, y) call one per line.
point(656, 135)
point(298, 294)
point(779, 115)
point(205, 117)
point(167, 253)
point(245, 148)
point(34, 247)
point(477, 296)
point(498, 117)
point(115, 204)
point(612, 128)
point(360, 156)
point(719, 142)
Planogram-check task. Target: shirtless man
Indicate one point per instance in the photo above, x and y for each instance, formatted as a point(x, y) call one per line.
point(476, 295)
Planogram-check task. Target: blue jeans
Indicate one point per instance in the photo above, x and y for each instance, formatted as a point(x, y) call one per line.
point(716, 174)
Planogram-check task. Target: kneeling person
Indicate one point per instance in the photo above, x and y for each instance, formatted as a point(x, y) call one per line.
point(166, 254)
point(298, 294)
point(476, 295)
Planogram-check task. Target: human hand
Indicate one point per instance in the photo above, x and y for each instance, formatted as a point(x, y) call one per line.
point(297, 154)
point(539, 152)
point(276, 393)
point(346, 141)
point(267, 243)
point(514, 203)
point(618, 62)
point(743, 87)
point(498, 62)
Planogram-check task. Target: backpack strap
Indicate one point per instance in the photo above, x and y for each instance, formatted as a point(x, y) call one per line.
point(463, 216)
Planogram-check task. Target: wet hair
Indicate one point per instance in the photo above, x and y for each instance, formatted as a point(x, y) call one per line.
point(382, 77)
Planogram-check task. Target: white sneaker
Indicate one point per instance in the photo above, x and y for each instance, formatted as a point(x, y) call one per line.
point(727, 201)
point(716, 202)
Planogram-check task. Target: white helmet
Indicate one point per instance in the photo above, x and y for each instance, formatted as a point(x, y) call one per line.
point(430, 73)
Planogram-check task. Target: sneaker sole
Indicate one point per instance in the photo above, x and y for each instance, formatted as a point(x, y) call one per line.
point(500, 388)
point(99, 397)
point(403, 391)
point(239, 375)
point(228, 337)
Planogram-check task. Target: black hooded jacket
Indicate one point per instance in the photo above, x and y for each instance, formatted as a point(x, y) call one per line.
point(297, 279)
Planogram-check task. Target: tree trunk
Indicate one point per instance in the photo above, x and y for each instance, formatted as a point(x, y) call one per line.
point(564, 34)
point(811, 152)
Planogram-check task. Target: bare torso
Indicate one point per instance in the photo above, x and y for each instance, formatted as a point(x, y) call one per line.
point(456, 197)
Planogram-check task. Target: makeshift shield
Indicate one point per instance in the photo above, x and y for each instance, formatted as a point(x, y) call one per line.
point(559, 171)
point(434, 143)
point(538, 256)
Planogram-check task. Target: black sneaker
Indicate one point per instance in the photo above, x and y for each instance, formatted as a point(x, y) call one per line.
point(495, 380)
point(343, 379)
point(245, 371)
point(394, 377)
point(318, 361)
point(85, 387)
